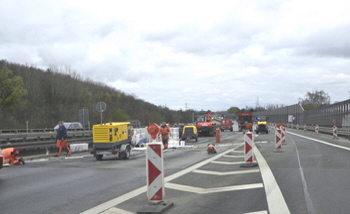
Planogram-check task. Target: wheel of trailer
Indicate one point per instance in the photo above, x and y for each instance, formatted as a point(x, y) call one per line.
point(127, 152)
point(196, 139)
point(99, 157)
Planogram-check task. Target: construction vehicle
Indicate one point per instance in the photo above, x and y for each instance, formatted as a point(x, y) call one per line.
point(262, 125)
point(243, 119)
point(226, 124)
point(204, 124)
point(189, 132)
point(113, 138)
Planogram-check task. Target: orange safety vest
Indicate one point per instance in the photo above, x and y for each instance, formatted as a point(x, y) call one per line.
point(165, 132)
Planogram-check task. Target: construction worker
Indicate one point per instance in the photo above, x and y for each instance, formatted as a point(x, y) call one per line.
point(62, 139)
point(165, 132)
point(11, 154)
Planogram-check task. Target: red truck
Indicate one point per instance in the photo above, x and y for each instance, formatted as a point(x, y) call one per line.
point(226, 124)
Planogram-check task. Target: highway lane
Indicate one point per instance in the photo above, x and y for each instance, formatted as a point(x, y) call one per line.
point(76, 184)
point(311, 173)
point(312, 177)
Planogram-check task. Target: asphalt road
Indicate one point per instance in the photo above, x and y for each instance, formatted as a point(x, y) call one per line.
point(309, 176)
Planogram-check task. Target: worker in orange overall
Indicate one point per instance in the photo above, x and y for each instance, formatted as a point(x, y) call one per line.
point(62, 139)
point(165, 132)
point(11, 154)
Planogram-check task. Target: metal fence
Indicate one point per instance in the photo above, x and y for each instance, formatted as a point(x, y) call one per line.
point(325, 116)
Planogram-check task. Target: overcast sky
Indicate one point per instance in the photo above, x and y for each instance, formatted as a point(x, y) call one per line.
point(188, 54)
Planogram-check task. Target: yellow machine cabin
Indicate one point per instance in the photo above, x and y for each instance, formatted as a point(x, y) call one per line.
point(111, 138)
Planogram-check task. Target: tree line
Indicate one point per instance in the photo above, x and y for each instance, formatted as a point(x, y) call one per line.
point(44, 97)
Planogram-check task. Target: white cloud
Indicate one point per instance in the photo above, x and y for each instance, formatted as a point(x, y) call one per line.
point(210, 55)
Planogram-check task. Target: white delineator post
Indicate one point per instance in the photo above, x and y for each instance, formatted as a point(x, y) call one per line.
point(155, 173)
point(316, 129)
point(248, 147)
point(304, 127)
point(278, 141)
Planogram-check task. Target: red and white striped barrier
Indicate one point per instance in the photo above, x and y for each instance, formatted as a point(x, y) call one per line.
point(155, 174)
point(304, 127)
point(297, 126)
point(335, 132)
point(248, 147)
point(283, 135)
point(278, 141)
point(316, 129)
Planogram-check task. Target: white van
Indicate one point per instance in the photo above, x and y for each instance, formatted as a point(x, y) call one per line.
point(71, 126)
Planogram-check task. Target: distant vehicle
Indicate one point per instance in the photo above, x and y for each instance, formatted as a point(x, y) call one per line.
point(262, 125)
point(134, 123)
point(71, 126)
point(243, 119)
point(226, 124)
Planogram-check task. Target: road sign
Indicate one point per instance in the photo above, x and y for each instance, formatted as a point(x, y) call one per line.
point(101, 107)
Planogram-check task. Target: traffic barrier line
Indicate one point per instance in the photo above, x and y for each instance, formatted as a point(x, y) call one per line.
point(208, 172)
point(199, 190)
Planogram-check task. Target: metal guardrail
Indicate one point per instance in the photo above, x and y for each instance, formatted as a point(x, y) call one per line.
point(34, 141)
point(342, 132)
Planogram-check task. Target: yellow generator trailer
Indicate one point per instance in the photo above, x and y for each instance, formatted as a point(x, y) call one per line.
point(189, 132)
point(113, 138)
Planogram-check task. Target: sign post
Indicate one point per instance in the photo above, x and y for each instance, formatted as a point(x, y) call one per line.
point(101, 107)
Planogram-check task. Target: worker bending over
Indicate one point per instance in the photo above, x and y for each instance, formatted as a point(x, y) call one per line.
point(11, 155)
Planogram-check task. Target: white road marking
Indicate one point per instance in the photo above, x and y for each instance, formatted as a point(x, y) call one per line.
point(275, 199)
point(230, 163)
point(114, 202)
point(114, 210)
point(234, 156)
point(274, 196)
point(321, 141)
point(259, 212)
point(199, 190)
point(225, 173)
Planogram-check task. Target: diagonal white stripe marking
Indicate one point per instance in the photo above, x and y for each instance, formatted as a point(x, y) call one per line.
point(230, 163)
point(225, 173)
point(234, 156)
point(199, 190)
